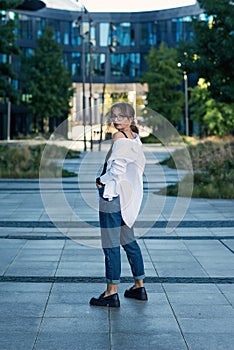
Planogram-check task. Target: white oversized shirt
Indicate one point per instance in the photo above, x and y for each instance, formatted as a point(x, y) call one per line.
point(124, 177)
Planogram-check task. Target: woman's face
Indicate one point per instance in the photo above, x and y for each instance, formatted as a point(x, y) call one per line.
point(120, 121)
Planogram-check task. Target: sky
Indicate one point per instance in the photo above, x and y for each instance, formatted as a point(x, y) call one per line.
point(134, 5)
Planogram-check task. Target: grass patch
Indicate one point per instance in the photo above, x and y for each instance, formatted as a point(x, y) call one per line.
point(23, 161)
point(213, 165)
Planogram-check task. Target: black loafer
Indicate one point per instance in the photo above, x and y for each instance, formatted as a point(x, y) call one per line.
point(111, 300)
point(136, 293)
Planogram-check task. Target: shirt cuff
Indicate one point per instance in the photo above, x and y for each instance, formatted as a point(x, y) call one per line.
point(105, 178)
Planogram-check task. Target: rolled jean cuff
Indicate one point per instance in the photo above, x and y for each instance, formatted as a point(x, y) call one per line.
point(112, 281)
point(137, 278)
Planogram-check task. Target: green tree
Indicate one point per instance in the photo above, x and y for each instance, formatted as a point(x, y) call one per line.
point(163, 78)
point(211, 55)
point(47, 81)
point(8, 48)
point(213, 117)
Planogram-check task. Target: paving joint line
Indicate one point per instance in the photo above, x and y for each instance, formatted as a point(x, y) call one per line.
point(226, 246)
point(174, 314)
point(138, 224)
point(15, 257)
point(90, 238)
point(42, 318)
point(88, 279)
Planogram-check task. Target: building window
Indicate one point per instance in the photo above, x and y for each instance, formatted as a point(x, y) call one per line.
point(75, 34)
point(66, 32)
point(66, 60)
point(127, 65)
point(25, 27)
point(40, 25)
point(57, 31)
point(116, 34)
point(162, 31)
point(148, 34)
point(181, 29)
point(28, 51)
point(103, 34)
point(3, 58)
point(124, 34)
point(98, 64)
point(93, 34)
point(76, 64)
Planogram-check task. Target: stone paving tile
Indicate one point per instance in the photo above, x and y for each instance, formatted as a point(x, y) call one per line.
point(216, 340)
point(38, 258)
point(44, 244)
point(30, 271)
point(222, 231)
point(206, 325)
point(197, 298)
point(76, 340)
point(193, 231)
point(14, 324)
point(167, 245)
point(20, 340)
point(149, 341)
point(229, 288)
point(147, 325)
point(180, 269)
point(204, 311)
point(229, 243)
point(83, 268)
point(230, 297)
point(83, 323)
point(23, 297)
point(21, 309)
point(25, 287)
point(174, 288)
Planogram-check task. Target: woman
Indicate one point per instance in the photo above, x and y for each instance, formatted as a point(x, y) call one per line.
point(121, 190)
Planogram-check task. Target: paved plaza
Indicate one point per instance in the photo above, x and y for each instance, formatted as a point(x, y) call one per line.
point(51, 264)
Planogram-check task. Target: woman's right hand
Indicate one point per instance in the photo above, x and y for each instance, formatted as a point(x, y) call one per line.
point(98, 183)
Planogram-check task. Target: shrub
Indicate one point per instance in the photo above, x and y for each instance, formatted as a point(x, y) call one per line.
point(213, 165)
point(21, 161)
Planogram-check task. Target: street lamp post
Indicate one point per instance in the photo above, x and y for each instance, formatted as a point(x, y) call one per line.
point(103, 97)
point(186, 104)
point(90, 85)
point(9, 105)
point(90, 98)
point(83, 88)
point(186, 110)
point(109, 49)
point(83, 68)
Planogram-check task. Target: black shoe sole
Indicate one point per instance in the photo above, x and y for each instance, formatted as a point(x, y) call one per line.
point(106, 302)
point(136, 298)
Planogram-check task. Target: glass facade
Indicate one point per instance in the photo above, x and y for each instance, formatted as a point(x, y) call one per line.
point(127, 65)
point(129, 39)
point(181, 29)
point(103, 33)
point(113, 45)
point(98, 64)
point(76, 64)
point(75, 34)
point(124, 34)
point(25, 27)
point(148, 33)
point(40, 25)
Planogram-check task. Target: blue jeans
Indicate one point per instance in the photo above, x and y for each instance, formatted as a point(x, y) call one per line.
point(114, 232)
